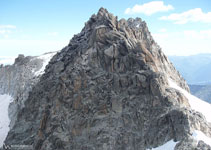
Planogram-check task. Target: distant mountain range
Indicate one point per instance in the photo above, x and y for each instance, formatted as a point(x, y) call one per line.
point(201, 91)
point(196, 70)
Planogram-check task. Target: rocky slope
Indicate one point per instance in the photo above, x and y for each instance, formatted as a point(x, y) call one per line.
point(17, 80)
point(109, 89)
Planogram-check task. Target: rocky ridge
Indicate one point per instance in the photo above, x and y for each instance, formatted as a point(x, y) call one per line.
point(18, 79)
point(108, 89)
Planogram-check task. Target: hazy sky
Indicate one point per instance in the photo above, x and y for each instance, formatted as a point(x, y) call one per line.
point(33, 27)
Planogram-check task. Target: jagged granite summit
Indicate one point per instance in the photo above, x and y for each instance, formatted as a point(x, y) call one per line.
point(109, 89)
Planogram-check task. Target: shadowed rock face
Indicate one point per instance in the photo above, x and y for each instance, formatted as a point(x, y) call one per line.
point(107, 90)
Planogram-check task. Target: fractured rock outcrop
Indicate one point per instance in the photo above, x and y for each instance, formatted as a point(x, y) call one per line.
point(107, 89)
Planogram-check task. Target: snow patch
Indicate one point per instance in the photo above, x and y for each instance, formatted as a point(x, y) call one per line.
point(200, 136)
point(46, 58)
point(195, 103)
point(5, 100)
point(167, 146)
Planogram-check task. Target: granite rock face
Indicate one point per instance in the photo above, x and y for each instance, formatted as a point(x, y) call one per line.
point(108, 90)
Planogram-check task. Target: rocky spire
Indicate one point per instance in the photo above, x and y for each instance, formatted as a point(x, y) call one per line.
point(108, 89)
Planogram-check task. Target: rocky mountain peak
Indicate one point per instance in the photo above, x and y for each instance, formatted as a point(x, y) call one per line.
point(21, 59)
point(103, 14)
point(109, 88)
point(105, 34)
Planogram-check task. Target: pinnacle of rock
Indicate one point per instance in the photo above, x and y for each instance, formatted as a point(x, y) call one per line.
point(108, 89)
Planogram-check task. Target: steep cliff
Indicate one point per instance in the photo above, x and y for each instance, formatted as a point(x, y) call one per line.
point(111, 88)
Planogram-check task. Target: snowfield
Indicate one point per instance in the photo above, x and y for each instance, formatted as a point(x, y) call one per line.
point(195, 103)
point(167, 146)
point(46, 58)
point(5, 100)
point(200, 136)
